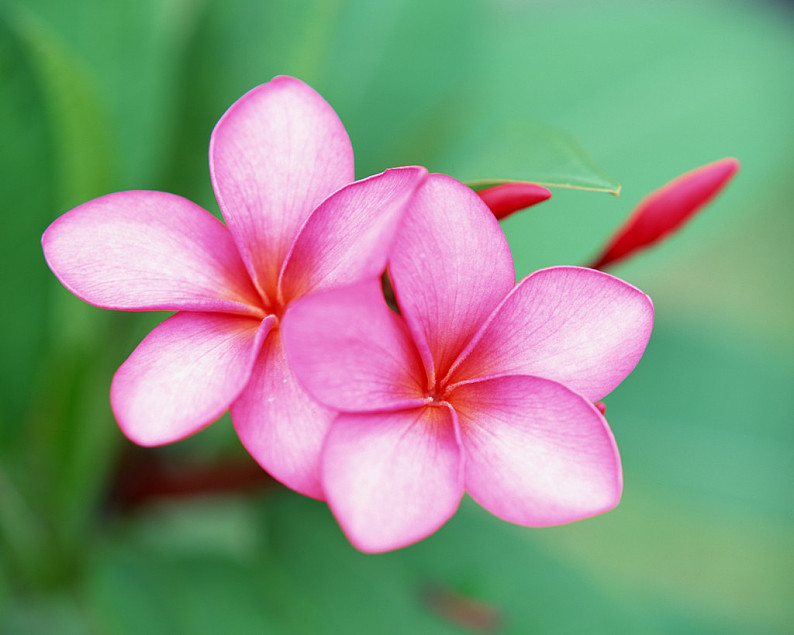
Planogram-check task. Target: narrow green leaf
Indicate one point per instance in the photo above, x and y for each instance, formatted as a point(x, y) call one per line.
point(68, 435)
point(78, 123)
point(520, 151)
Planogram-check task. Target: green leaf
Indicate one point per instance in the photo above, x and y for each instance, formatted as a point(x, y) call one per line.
point(85, 162)
point(26, 163)
point(521, 151)
point(476, 572)
point(189, 567)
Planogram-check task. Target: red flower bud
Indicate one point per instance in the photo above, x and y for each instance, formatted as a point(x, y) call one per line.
point(665, 210)
point(510, 197)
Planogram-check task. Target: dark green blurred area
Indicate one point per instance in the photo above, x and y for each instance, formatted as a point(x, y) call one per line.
point(99, 97)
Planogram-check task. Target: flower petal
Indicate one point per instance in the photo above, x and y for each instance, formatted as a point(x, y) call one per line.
point(580, 327)
point(274, 156)
point(279, 424)
point(392, 478)
point(450, 266)
point(507, 198)
point(351, 352)
point(536, 453)
point(144, 250)
point(348, 237)
point(185, 374)
point(665, 210)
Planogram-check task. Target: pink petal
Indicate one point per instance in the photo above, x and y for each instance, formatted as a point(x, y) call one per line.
point(450, 266)
point(662, 212)
point(351, 352)
point(149, 250)
point(348, 237)
point(185, 374)
point(279, 424)
point(274, 156)
point(392, 478)
point(507, 198)
point(580, 327)
point(536, 453)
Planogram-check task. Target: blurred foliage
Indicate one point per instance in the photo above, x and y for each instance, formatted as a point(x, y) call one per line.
point(104, 96)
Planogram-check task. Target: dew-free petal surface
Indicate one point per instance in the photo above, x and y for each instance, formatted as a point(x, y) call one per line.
point(392, 478)
point(274, 156)
point(583, 328)
point(663, 211)
point(279, 424)
point(185, 374)
point(143, 250)
point(351, 352)
point(508, 198)
point(450, 266)
point(348, 237)
point(536, 453)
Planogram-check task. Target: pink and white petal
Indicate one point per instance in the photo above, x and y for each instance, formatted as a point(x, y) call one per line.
point(185, 374)
point(351, 352)
point(580, 327)
point(536, 453)
point(392, 478)
point(450, 266)
point(274, 156)
point(143, 250)
point(279, 423)
point(348, 237)
point(665, 210)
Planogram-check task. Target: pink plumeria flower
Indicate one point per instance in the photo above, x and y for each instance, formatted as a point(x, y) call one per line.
point(480, 384)
point(281, 165)
point(666, 210)
point(508, 198)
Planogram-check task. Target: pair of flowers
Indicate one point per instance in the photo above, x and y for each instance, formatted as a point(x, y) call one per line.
point(477, 385)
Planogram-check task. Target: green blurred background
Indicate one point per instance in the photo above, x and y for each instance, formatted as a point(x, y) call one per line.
point(101, 96)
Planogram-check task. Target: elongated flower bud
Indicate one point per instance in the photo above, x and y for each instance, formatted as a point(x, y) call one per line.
point(665, 210)
point(507, 198)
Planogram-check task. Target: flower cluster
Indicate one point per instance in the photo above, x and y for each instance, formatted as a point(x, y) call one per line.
point(474, 384)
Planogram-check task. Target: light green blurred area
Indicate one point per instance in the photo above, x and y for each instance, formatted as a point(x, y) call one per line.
point(98, 97)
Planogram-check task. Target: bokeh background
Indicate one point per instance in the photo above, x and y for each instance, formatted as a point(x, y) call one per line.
point(97, 536)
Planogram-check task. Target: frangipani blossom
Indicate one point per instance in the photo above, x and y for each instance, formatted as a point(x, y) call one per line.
point(507, 198)
point(479, 384)
point(281, 165)
point(665, 210)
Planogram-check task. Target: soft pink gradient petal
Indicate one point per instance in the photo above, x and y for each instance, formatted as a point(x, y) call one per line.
point(392, 478)
point(450, 266)
point(536, 453)
point(665, 210)
point(274, 156)
point(347, 238)
point(580, 327)
point(185, 374)
point(279, 424)
point(507, 198)
point(143, 250)
point(351, 352)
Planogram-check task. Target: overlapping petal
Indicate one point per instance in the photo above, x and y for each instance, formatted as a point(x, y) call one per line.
point(185, 374)
point(348, 237)
point(143, 250)
point(536, 453)
point(580, 327)
point(451, 266)
point(392, 478)
point(279, 424)
point(352, 352)
point(274, 156)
